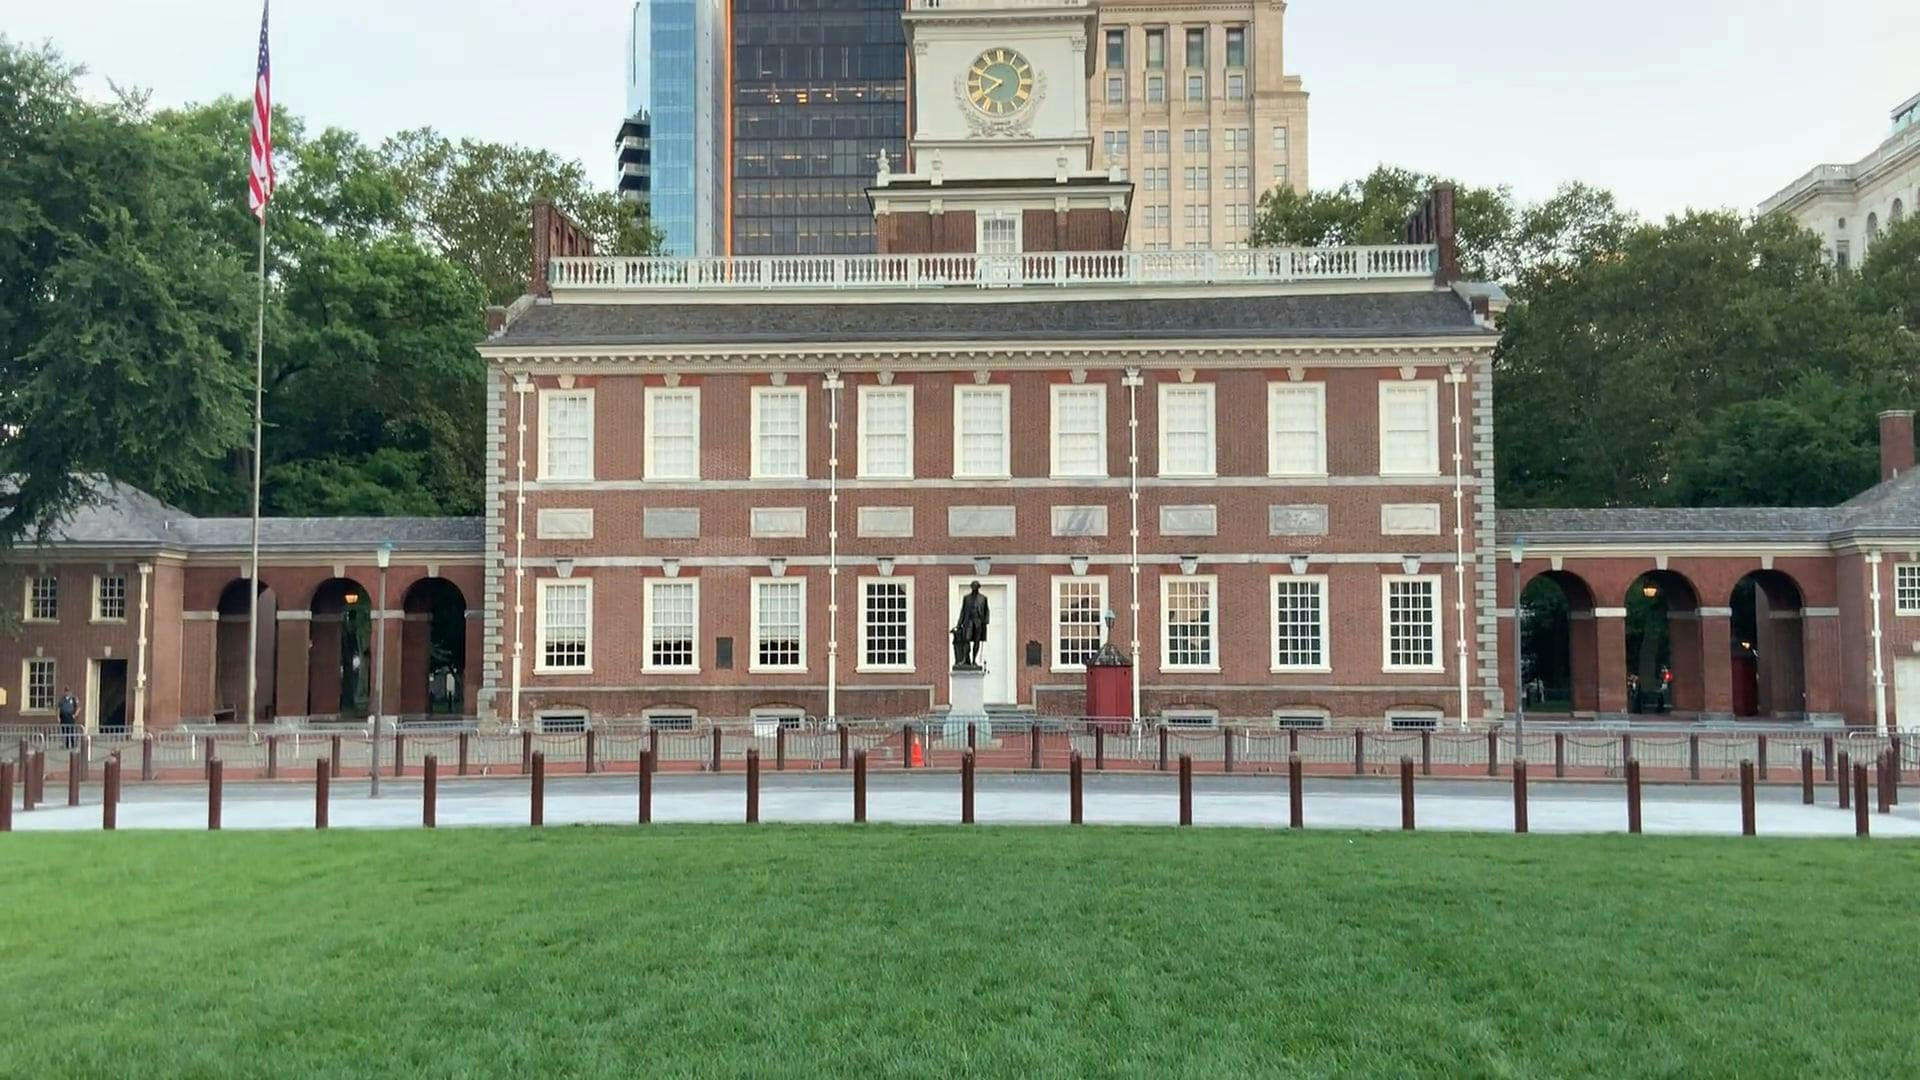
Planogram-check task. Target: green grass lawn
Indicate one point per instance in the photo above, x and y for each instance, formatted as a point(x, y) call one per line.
point(947, 952)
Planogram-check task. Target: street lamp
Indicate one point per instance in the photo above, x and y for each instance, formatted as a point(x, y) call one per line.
point(1519, 630)
point(383, 557)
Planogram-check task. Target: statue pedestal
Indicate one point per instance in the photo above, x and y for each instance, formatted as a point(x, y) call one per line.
point(967, 697)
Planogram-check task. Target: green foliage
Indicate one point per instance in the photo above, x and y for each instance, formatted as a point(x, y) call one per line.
point(1890, 276)
point(1815, 445)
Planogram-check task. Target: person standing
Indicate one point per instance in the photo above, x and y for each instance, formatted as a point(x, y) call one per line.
point(69, 718)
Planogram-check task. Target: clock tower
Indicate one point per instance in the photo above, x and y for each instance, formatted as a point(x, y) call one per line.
point(1000, 154)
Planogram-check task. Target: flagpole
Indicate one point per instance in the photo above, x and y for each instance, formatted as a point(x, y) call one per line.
point(253, 565)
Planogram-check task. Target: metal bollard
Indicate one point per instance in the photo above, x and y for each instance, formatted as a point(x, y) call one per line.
point(1406, 793)
point(1893, 772)
point(860, 786)
point(1846, 780)
point(1560, 753)
point(590, 752)
point(1493, 752)
point(1519, 794)
point(73, 783)
point(646, 786)
point(26, 783)
point(845, 760)
point(971, 733)
point(1163, 748)
point(399, 752)
point(206, 755)
point(1226, 749)
point(1806, 775)
point(322, 774)
point(216, 771)
point(334, 762)
point(719, 746)
point(1760, 752)
point(146, 756)
point(653, 749)
point(1633, 795)
point(537, 815)
point(273, 757)
point(1075, 802)
point(1034, 747)
point(1883, 783)
point(1186, 789)
point(1826, 757)
point(966, 787)
point(110, 796)
point(1099, 747)
point(460, 743)
point(86, 757)
point(906, 746)
point(1746, 799)
point(1296, 798)
point(1293, 740)
point(780, 748)
point(1359, 752)
point(429, 791)
point(1693, 756)
point(526, 751)
point(6, 796)
point(1860, 819)
point(753, 786)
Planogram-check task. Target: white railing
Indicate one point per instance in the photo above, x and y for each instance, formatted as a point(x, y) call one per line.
point(1823, 174)
point(813, 272)
point(990, 5)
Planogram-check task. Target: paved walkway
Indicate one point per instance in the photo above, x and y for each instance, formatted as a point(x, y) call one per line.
point(934, 798)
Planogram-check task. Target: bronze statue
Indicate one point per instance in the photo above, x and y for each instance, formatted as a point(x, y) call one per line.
point(970, 632)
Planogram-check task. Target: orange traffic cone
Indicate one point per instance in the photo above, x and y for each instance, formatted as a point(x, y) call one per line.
point(918, 761)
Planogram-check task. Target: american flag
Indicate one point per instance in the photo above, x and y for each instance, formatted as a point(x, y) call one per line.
point(260, 166)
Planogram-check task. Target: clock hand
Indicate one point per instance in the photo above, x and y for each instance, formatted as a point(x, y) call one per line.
point(997, 83)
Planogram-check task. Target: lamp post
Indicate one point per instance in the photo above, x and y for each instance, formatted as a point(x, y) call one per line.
point(1519, 667)
point(381, 558)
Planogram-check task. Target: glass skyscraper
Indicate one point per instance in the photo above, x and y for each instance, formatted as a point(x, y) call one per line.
point(819, 90)
point(675, 70)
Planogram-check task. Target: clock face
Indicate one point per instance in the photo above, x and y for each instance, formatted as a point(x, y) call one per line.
point(1000, 82)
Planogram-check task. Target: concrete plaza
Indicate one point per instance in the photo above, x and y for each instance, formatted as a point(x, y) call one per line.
point(929, 798)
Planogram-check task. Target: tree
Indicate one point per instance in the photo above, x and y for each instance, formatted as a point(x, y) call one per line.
point(469, 201)
point(122, 316)
point(1815, 445)
point(1890, 276)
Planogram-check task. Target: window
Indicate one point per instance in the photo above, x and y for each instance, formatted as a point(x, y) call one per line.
point(1157, 140)
point(1196, 178)
point(1236, 86)
point(1196, 47)
point(1240, 215)
point(1235, 177)
point(43, 598)
point(565, 626)
point(779, 433)
point(1195, 141)
point(1906, 589)
point(1300, 623)
point(37, 695)
point(1189, 718)
point(566, 434)
point(1413, 623)
point(1409, 428)
point(1842, 254)
point(668, 719)
point(1236, 140)
point(886, 432)
point(1300, 720)
point(1197, 217)
point(980, 432)
point(672, 620)
point(1156, 88)
point(1116, 89)
point(673, 433)
point(1156, 49)
point(1079, 619)
point(1279, 136)
point(1000, 233)
point(779, 624)
point(1279, 174)
point(1413, 721)
point(1187, 639)
point(1297, 429)
point(1116, 49)
point(1196, 86)
point(1114, 143)
point(886, 624)
point(1157, 179)
point(110, 598)
point(1186, 430)
point(1079, 426)
point(1236, 46)
point(766, 722)
point(562, 723)
point(1157, 217)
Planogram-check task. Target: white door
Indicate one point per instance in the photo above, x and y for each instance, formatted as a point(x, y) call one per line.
point(997, 653)
point(1906, 692)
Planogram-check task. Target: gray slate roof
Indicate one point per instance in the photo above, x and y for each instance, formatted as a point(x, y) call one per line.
point(1889, 509)
point(668, 321)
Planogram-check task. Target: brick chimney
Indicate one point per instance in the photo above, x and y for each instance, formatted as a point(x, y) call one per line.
point(1896, 443)
point(1432, 223)
point(555, 236)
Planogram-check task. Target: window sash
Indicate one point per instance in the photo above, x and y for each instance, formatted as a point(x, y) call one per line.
point(779, 627)
point(1079, 431)
point(43, 599)
point(1156, 48)
point(981, 432)
point(1079, 609)
point(1906, 589)
point(1236, 46)
point(1409, 428)
point(110, 598)
point(1300, 624)
point(566, 611)
point(40, 679)
point(1236, 86)
point(1116, 49)
point(886, 432)
point(673, 434)
point(567, 432)
point(1156, 88)
point(1116, 89)
point(673, 620)
point(1186, 430)
point(886, 625)
point(1188, 624)
point(779, 434)
point(1412, 613)
point(1297, 429)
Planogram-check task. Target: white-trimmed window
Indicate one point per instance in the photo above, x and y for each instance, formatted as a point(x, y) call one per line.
point(1300, 623)
point(982, 432)
point(886, 624)
point(1413, 720)
point(1300, 719)
point(1079, 627)
point(1411, 610)
point(561, 722)
point(110, 598)
point(1410, 428)
point(669, 719)
point(672, 620)
point(673, 433)
point(779, 433)
point(42, 603)
point(564, 625)
point(886, 433)
point(1190, 623)
point(1906, 589)
point(1113, 144)
point(1186, 429)
point(1297, 429)
point(1079, 431)
point(1000, 230)
point(779, 624)
point(1189, 718)
point(566, 434)
point(37, 683)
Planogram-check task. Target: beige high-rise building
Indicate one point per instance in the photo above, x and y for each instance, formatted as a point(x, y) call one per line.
point(1192, 98)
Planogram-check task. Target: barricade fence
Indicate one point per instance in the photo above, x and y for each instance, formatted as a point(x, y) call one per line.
point(1710, 753)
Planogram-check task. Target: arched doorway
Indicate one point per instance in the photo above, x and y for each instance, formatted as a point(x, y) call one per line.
point(230, 653)
point(340, 660)
point(433, 649)
point(1767, 647)
point(1665, 662)
point(1559, 658)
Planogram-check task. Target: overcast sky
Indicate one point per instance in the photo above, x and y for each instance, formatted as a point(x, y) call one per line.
point(1670, 103)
